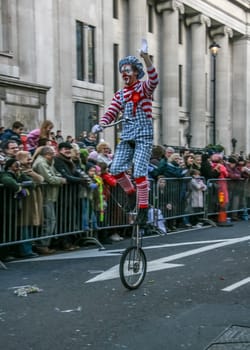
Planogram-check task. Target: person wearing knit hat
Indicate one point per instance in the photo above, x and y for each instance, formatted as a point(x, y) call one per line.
point(67, 145)
point(134, 101)
point(10, 162)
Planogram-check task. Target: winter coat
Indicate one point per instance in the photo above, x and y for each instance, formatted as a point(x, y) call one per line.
point(9, 134)
point(20, 201)
point(197, 193)
point(32, 139)
point(51, 177)
point(33, 204)
point(235, 185)
point(66, 167)
point(169, 169)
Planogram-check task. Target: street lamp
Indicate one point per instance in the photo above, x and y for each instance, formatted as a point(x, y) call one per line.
point(189, 138)
point(234, 141)
point(214, 48)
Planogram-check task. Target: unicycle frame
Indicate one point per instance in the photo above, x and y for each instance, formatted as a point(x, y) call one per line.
point(133, 262)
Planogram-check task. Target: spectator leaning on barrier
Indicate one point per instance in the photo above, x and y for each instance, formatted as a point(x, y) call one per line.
point(66, 167)
point(170, 167)
point(44, 165)
point(33, 205)
point(14, 181)
point(245, 171)
point(235, 187)
point(168, 152)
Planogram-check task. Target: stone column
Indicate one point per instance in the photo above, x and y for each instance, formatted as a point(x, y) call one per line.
point(223, 86)
point(197, 122)
point(26, 29)
point(137, 26)
point(241, 93)
point(169, 70)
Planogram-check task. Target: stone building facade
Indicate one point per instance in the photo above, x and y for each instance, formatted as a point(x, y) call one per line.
point(58, 61)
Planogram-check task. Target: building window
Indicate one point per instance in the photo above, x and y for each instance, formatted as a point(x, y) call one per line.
point(5, 24)
point(86, 116)
point(85, 52)
point(115, 66)
point(150, 18)
point(115, 9)
point(180, 86)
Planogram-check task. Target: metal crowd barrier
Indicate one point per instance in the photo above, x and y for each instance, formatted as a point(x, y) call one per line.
point(35, 217)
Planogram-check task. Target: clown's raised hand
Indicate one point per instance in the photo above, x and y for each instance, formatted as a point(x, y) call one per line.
point(143, 51)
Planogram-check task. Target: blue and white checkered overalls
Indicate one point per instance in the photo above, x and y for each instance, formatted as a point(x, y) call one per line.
point(136, 142)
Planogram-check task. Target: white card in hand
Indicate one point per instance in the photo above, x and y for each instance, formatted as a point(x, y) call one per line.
point(144, 45)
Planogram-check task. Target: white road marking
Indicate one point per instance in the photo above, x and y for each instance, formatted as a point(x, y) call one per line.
point(236, 285)
point(113, 271)
point(96, 253)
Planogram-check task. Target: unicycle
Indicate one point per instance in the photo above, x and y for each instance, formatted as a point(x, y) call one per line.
point(133, 262)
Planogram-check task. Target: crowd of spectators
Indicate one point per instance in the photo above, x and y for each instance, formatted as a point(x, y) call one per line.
point(45, 156)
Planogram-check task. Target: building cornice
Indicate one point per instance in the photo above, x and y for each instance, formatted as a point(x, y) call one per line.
point(244, 4)
point(13, 83)
point(169, 5)
point(219, 14)
point(198, 19)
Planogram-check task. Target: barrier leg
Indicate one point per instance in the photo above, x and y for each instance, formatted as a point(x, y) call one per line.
point(90, 239)
point(3, 265)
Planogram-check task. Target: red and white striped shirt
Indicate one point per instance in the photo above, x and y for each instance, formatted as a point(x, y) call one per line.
point(143, 89)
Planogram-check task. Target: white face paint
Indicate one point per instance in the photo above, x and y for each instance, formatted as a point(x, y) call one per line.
point(128, 74)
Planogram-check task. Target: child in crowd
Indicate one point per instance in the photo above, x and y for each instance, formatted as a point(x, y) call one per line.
point(89, 219)
point(197, 195)
point(43, 132)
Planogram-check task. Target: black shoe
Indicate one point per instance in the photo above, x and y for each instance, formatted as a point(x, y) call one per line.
point(27, 256)
point(7, 258)
point(142, 217)
point(131, 202)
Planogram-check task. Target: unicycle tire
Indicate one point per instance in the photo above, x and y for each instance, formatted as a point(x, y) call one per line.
point(133, 267)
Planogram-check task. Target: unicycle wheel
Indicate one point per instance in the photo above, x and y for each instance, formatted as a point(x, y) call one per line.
point(133, 267)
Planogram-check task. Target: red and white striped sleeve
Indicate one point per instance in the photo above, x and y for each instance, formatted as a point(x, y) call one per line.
point(113, 110)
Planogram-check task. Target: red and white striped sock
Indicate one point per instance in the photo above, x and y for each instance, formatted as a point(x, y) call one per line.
point(125, 182)
point(142, 191)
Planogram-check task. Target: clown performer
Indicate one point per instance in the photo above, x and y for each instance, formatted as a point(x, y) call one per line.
point(134, 102)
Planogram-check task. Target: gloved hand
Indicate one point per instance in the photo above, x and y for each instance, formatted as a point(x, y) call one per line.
point(151, 168)
point(97, 128)
point(93, 186)
point(24, 192)
point(85, 179)
point(144, 46)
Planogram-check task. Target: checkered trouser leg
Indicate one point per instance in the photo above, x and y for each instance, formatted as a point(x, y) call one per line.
point(126, 155)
